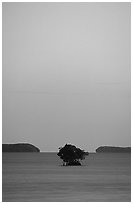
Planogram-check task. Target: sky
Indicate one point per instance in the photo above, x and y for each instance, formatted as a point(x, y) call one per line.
point(66, 74)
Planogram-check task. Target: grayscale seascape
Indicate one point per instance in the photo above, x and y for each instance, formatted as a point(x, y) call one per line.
point(41, 177)
point(66, 88)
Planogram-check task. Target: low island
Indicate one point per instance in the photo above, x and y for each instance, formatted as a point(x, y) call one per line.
point(111, 149)
point(20, 147)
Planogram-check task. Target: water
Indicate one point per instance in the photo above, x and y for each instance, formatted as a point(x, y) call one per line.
point(38, 177)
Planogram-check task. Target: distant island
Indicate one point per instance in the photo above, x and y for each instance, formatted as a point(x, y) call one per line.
point(20, 147)
point(111, 149)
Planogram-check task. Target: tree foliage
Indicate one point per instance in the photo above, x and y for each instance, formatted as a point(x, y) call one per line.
point(71, 155)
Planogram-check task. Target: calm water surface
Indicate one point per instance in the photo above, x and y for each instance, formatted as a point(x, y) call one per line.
point(41, 177)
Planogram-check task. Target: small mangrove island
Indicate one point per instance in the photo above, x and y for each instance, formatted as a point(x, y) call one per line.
point(71, 155)
point(111, 149)
point(20, 147)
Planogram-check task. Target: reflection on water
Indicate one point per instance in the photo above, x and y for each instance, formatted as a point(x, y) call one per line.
point(41, 177)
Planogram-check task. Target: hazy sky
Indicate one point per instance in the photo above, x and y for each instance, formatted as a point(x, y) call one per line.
point(66, 74)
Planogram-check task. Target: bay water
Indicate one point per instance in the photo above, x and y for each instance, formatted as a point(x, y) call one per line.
point(40, 177)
